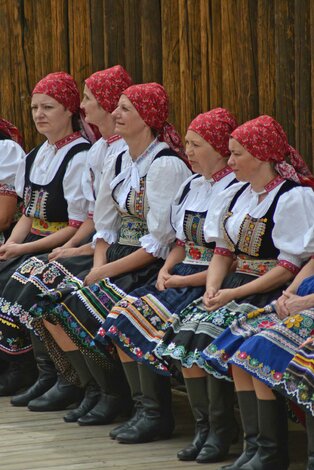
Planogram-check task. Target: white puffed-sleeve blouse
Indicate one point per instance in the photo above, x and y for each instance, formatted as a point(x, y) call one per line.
point(98, 157)
point(11, 155)
point(164, 176)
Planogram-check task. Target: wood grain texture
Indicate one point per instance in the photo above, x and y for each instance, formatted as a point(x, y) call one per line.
point(251, 56)
point(43, 441)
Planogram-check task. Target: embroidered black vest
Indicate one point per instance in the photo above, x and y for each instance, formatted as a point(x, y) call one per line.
point(134, 225)
point(47, 202)
point(255, 234)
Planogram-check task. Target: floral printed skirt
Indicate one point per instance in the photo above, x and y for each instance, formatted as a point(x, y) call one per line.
point(81, 310)
point(14, 338)
point(194, 328)
point(268, 348)
point(298, 379)
point(31, 278)
point(137, 323)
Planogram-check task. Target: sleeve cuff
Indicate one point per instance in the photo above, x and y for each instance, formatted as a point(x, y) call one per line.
point(180, 243)
point(151, 245)
point(7, 190)
point(223, 252)
point(289, 266)
point(107, 235)
point(75, 223)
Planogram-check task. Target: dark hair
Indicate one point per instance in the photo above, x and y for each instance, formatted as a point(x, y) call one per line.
point(4, 136)
point(75, 123)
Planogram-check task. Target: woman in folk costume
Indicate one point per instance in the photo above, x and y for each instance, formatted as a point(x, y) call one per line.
point(271, 348)
point(48, 180)
point(102, 91)
point(133, 236)
point(101, 94)
point(253, 225)
point(136, 322)
point(11, 154)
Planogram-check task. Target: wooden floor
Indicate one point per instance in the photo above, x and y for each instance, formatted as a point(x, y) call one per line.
point(30, 441)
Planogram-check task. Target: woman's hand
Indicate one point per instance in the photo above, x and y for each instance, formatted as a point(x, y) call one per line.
point(162, 278)
point(62, 252)
point(281, 307)
point(11, 250)
point(310, 340)
point(290, 304)
point(95, 274)
point(209, 295)
point(222, 297)
point(176, 281)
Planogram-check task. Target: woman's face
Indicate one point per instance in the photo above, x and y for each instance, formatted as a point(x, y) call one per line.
point(51, 118)
point(202, 156)
point(243, 164)
point(128, 122)
point(94, 112)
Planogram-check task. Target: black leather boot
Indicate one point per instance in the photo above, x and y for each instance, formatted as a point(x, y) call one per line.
point(198, 398)
point(269, 455)
point(133, 378)
point(3, 368)
point(156, 420)
point(249, 416)
point(310, 440)
point(223, 426)
point(90, 387)
point(61, 395)
point(19, 375)
point(47, 375)
point(115, 396)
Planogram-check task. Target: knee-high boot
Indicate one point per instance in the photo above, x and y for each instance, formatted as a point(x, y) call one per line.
point(59, 397)
point(19, 374)
point(114, 398)
point(156, 420)
point(88, 384)
point(133, 378)
point(223, 426)
point(310, 440)
point(198, 398)
point(249, 416)
point(272, 423)
point(47, 375)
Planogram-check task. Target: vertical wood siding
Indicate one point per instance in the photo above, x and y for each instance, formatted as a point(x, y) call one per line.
point(251, 56)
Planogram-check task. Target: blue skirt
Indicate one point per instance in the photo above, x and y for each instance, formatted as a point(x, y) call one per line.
point(268, 349)
point(137, 323)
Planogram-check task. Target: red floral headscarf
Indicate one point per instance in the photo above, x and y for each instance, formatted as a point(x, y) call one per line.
point(152, 103)
point(107, 86)
point(11, 131)
point(266, 140)
point(62, 87)
point(215, 127)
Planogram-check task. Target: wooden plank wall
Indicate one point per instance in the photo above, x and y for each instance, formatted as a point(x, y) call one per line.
point(251, 56)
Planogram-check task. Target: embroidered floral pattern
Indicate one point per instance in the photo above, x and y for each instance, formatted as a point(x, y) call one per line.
point(254, 266)
point(215, 127)
point(139, 355)
point(251, 233)
point(107, 86)
point(132, 229)
point(294, 321)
